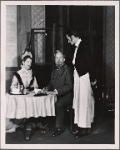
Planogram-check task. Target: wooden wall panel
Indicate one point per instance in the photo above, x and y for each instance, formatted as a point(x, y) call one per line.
point(24, 27)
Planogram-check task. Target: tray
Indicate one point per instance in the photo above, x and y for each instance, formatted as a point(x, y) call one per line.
point(41, 94)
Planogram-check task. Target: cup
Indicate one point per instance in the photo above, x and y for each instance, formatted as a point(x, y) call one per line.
point(21, 88)
point(25, 91)
point(15, 91)
point(37, 90)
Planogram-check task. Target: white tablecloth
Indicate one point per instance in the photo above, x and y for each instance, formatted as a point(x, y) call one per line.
point(26, 106)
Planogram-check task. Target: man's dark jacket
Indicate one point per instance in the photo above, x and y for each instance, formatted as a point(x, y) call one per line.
point(62, 81)
point(84, 61)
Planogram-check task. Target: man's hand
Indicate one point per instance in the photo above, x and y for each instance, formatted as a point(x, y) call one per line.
point(56, 91)
point(94, 82)
point(44, 90)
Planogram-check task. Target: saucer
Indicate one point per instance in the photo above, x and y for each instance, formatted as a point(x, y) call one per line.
point(12, 93)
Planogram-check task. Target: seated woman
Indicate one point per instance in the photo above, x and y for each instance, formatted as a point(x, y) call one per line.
point(26, 78)
point(25, 75)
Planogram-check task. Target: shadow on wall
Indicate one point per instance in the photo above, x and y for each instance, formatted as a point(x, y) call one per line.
point(9, 75)
point(43, 74)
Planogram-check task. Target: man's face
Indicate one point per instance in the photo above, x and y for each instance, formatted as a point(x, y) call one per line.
point(59, 60)
point(68, 39)
point(71, 39)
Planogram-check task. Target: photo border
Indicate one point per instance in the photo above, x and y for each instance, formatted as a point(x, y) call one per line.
point(3, 49)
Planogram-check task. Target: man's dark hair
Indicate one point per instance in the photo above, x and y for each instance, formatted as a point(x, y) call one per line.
point(73, 32)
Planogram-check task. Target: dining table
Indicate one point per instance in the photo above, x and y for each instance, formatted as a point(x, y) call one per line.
point(20, 106)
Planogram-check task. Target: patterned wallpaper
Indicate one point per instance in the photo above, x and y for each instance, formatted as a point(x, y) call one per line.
point(110, 51)
point(38, 21)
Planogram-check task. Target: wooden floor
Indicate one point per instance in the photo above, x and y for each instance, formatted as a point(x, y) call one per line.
point(102, 133)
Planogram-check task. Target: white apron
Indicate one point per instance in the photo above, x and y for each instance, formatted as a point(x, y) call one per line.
point(83, 101)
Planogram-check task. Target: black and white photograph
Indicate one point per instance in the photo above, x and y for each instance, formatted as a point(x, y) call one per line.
point(60, 74)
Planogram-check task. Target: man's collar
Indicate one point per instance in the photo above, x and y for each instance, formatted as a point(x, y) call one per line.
point(60, 66)
point(78, 42)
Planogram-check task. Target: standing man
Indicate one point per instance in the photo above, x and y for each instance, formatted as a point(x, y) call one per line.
point(83, 101)
point(61, 82)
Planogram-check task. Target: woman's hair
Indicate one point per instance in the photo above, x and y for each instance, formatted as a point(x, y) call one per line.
point(26, 57)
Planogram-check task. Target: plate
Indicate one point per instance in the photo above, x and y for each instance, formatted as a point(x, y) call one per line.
point(16, 93)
